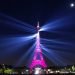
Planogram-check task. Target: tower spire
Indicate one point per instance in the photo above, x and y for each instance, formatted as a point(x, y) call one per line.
point(38, 26)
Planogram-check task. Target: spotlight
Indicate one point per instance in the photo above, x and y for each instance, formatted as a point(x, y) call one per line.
point(37, 70)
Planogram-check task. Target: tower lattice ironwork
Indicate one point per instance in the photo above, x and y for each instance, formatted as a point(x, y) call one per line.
point(38, 59)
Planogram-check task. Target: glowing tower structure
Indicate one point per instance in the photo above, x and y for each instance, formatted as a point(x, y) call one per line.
point(38, 60)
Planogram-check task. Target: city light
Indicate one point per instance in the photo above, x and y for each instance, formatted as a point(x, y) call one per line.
point(37, 70)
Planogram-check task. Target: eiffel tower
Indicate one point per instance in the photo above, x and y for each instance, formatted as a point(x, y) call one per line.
point(38, 60)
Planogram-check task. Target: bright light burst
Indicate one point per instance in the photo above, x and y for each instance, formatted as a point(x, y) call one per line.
point(54, 49)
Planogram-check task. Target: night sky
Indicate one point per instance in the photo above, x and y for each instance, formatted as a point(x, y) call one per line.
point(44, 11)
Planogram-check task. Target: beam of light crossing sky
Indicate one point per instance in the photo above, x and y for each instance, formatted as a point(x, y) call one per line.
point(51, 55)
point(48, 41)
point(52, 26)
point(12, 44)
point(16, 23)
point(14, 40)
point(25, 56)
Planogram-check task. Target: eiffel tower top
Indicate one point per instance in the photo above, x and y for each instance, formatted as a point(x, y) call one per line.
point(38, 27)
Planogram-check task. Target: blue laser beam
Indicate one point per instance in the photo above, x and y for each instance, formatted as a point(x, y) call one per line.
point(23, 58)
point(54, 57)
point(16, 23)
point(59, 23)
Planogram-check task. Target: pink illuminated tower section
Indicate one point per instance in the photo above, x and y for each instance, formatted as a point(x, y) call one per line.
point(38, 59)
